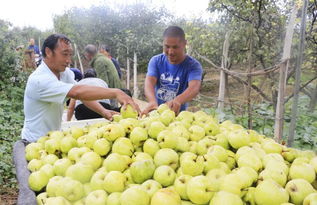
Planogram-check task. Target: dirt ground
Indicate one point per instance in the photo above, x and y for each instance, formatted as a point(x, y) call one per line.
point(8, 196)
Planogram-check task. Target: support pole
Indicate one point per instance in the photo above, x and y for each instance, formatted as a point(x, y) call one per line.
point(279, 115)
point(299, 62)
point(224, 64)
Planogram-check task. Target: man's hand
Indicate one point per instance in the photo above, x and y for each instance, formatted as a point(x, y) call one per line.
point(124, 100)
point(151, 106)
point(174, 105)
point(108, 114)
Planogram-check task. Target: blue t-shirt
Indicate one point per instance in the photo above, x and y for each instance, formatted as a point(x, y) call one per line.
point(35, 48)
point(172, 79)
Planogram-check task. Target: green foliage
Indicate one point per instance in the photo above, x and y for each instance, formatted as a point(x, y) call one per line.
point(135, 28)
point(12, 82)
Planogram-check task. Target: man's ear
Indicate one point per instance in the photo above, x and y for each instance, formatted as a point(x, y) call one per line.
point(48, 52)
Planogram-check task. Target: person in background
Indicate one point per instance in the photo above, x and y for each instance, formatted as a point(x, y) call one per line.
point(82, 112)
point(103, 66)
point(78, 75)
point(173, 77)
point(104, 49)
point(34, 47)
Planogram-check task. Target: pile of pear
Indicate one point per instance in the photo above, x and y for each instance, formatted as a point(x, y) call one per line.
point(164, 159)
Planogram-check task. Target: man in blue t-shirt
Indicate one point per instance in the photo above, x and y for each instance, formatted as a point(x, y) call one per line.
point(173, 77)
point(34, 47)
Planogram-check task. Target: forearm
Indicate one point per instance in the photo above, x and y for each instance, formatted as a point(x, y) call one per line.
point(188, 94)
point(71, 109)
point(87, 92)
point(149, 90)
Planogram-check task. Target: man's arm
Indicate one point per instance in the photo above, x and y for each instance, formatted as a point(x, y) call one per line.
point(90, 93)
point(149, 91)
point(191, 92)
point(71, 108)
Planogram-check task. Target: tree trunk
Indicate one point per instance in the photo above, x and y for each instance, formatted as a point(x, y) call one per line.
point(249, 80)
point(224, 64)
point(297, 75)
point(279, 115)
point(313, 100)
point(128, 73)
point(135, 76)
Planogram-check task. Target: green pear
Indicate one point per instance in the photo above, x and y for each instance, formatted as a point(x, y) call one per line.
point(298, 189)
point(166, 156)
point(138, 136)
point(38, 180)
point(196, 133)
point(226, 198)
point(167, 116)
point(270, 192)
point(123, 146)
point(80, 171)
point(215, 176)
point(311, 199)
point(142, 170)
point(166, 196)
point(91, 158)
point(35, 165)
point(155, 128)
point(238, 138)
point(151, 146)
point(275, 174)
point(114, 182)
point(41, 198)
point(302, 171)
point(70, 189)
point(252, 161)
point(128, 112)
point(151, 186)
point(219, 152)
point(135, 195)
point(114, 198)
point(102, 146)
point(165, 175)
point(200, 190)
point(180, 185)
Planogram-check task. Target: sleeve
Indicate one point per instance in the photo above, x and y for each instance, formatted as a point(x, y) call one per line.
point(152, 68)
point(49, 90)
point(103, 67)
point(196, 71)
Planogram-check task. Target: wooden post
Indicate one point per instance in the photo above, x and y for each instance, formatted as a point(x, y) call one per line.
point(135, 76)
point(249, 80)
point(128, 73)
point(79, 59)
point(224, 64)
point(279, 115)
point(299, 62)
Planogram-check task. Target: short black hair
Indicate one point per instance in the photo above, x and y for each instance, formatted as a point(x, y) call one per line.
point(105, 47)
point(174, 31)
point(90, 73)
point(51, 42)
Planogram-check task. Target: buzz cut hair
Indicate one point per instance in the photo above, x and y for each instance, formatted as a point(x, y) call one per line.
point(174, 31)
point(91, 49)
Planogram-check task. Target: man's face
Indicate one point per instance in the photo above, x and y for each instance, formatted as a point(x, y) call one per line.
point(32, 41)
point(60, 57)
point(174, 48)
